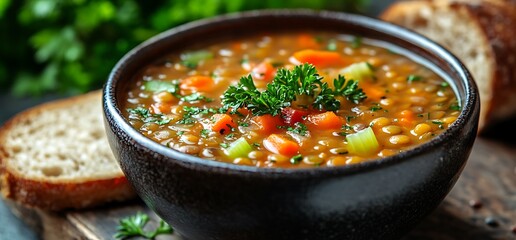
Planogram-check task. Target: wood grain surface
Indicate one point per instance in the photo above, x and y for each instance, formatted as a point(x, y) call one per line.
point(489, 180)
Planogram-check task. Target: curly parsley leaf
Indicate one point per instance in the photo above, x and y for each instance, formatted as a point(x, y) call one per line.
point(132, 226)
point(287, 85)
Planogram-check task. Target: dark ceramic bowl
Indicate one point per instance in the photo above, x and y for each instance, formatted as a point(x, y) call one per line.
point(205, 199)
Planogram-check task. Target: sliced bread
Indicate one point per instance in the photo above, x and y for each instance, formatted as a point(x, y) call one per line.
point(479, 32)
point(56, 156)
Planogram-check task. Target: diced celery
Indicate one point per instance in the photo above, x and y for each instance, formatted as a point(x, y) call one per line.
point(239, 148)
point(363, 143)
point(160, 86)
point(357, 71)
point(192, 59)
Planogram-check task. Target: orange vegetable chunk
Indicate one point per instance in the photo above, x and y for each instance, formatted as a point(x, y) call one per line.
point(264, 71)
point(198, 83)
point(267, 124)
point(281, 145)
point(222, 123)
point(319, 58)
point(407, 119)
point(326, 120)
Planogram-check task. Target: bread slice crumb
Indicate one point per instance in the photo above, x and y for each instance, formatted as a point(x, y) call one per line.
point(56, 156)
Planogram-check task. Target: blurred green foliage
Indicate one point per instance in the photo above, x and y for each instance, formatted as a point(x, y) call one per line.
point(69, 46)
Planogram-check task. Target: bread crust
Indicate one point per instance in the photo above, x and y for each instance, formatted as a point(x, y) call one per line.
point(496, 19)
point(56, 194)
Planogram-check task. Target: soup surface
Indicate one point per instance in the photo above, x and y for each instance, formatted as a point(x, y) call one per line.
point(290, 100)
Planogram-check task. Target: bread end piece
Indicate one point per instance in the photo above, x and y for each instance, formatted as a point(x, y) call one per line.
point(56, 156)
point(480, 33)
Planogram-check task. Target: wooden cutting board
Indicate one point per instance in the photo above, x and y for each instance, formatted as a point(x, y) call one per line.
point(489, 178)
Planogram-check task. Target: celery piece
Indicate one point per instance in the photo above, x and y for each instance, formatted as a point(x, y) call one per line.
point(358, 71)
point(363, 143)
point(160, 86)
point(192, 59)
point(239, 148)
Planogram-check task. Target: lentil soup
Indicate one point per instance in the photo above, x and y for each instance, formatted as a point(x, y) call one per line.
point(296, 99)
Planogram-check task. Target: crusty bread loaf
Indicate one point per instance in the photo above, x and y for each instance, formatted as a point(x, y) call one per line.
point(56, 156)
point(482, 34)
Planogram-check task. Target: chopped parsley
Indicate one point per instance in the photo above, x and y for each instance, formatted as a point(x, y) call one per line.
point(224, 145)
point(298, 128)
point(256, 145)
point(243, 124)
point(144, 115)
point(296, 159)
point(205, 133)
point(445, 84)
point(230, 136)
point(284, 89)
point(376, 107)
point(455, 107)
point(414, 78)
point(357, 42)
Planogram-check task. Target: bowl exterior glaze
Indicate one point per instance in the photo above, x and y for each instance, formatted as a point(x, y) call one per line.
point(210, 200)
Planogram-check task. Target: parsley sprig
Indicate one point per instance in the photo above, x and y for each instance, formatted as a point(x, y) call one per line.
point(286, 87)
point(132, 226)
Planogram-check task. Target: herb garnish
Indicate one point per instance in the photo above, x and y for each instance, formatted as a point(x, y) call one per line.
point(357, 42)
point(286, 87)
point(376, 107)
point(132, 226)
point(298, 128)
point(147, 117)
point(296, 159)
point(205, 133)
point(413, 78)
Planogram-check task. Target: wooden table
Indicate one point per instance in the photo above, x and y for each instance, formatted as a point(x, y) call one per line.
point(489, 181)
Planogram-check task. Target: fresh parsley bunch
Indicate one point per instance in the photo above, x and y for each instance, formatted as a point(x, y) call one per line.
point(286, 87)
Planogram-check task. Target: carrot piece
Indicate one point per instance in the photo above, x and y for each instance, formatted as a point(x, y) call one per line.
point(222, 123)
point(326, 120)
point(280, 145)
point(161, 107)
point(267, 124)
point(307, 41)
point(407, 118)
point(197, 83)
point(318, 58)
point(372, 92)
point(264, 71)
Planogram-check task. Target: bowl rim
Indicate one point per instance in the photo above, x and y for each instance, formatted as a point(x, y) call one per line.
point(469, 109)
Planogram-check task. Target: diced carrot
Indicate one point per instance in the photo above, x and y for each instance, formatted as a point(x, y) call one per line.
point(264, 71)
point(280, 145)
point(307, 41)
point(161, 107)
point(267, 124)
point(244, 111)
point(222, 123)
point(198, 83)
point(291, 115)
point(326, 120)
point(371, 91)
point(407, 118)
point(319, 58)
